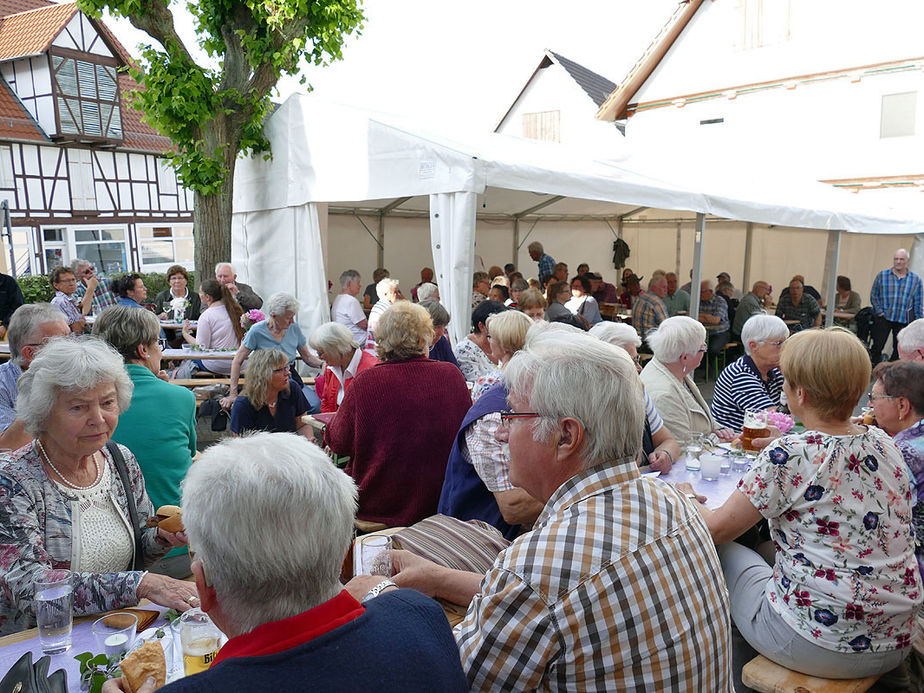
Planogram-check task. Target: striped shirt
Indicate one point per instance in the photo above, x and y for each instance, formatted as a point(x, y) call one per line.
point(617, 588)
point(741, 387)
point(102, 298)
point(648, 311)
point(898, 299)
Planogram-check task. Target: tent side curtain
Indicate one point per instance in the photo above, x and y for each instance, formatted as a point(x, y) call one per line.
point(452, 237)
point(281, 250)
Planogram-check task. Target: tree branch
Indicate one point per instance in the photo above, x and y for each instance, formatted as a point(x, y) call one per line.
point(157, 22)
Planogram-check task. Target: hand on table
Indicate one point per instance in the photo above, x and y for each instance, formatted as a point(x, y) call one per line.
point(660, 461)
point(169, 592)
point(118, 686)
point(726, 434)
point(686, 489)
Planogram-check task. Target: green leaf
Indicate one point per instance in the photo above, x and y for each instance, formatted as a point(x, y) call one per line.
point(100, 660)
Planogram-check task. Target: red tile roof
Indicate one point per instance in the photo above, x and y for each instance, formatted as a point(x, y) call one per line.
point(17, 6)
point(31, 32)
point(136, 134)
point(15, 122)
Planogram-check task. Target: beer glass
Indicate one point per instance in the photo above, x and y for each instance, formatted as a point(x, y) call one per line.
point(200, 639)
point(755, 426)
point(374, 556)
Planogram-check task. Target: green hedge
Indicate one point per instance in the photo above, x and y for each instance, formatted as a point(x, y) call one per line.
point(37, 288)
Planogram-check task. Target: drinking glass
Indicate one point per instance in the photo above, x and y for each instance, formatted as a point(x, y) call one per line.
point(693, 449)
point(54, 609)
point(115, 633)
point(711, 466)
point(374, 556)
point(755, 426)
point(200, 639)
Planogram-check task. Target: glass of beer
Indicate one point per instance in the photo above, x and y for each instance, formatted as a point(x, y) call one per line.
point(755, 426)
point(200, 639)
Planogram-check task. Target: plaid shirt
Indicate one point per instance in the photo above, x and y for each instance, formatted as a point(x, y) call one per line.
point(64, 303)
point(618, 587)
point(717, 306)
point(488, 456)
point(546, 265)
point(648, 311)
point(898, 299)
point(102, 298)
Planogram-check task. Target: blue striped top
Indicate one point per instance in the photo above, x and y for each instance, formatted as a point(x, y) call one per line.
point(740, 387)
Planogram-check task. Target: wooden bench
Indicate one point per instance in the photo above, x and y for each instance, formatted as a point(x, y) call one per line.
point(769, 677)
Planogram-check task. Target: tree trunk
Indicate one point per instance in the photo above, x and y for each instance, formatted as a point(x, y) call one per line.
point(212, 224)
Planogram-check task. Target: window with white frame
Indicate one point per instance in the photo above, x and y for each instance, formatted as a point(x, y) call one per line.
point(87, 97)
point(105, 248)
point(898, 115)
point(164, 245)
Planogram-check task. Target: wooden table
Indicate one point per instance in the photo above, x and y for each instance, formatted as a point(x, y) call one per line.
point(841, 314)
point(187, 354)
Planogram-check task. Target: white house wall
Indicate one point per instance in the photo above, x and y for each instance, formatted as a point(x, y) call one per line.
point(79, 35)
point(30, 80)
point(552, 89)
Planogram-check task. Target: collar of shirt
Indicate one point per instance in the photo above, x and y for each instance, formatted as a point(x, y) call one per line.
point(588, 483)
point(278, 636)
point(351, 369)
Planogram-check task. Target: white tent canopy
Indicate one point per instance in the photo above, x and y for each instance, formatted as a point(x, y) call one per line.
point(350, 159)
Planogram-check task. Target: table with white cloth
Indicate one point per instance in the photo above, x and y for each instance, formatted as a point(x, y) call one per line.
point(716, 492)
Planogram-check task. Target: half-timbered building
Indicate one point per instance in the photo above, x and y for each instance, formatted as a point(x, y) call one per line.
point(81, 174)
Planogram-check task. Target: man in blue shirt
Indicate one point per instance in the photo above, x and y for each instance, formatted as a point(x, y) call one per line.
point(897, 300)
point(546, 262)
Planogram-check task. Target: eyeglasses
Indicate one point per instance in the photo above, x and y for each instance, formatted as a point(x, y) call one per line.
point(702, 350)
point(873, 396)
point(774, 342)
point(508, 416)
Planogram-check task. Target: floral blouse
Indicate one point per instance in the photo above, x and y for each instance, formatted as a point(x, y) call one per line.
point(839, 509)
point(910, 443)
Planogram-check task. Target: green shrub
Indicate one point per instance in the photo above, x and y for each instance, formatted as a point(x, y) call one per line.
point(37, 288)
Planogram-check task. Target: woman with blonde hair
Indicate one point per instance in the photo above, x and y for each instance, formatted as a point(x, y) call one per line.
point(506, 336)
point(841, 598)
point(272, 400)
point(397, 421)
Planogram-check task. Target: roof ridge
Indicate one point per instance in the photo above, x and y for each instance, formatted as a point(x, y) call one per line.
point(54, 5)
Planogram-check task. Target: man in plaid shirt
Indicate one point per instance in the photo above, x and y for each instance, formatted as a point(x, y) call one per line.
point(897, 300)
point(618, 585)
point(101, 297)
point(546, 262)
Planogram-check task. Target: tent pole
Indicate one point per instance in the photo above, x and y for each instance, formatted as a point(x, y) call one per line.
point(380, 251)
point(516, 241)
point(677, 250)
point(699, 234)
point(619, 227)
point(748, 247)
point(833, 256)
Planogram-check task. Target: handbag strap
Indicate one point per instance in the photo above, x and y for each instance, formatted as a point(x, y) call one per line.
point(119, 461)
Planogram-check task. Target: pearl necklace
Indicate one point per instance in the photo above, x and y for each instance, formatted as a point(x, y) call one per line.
point(62, 477)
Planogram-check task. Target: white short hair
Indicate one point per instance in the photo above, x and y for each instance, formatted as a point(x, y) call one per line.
point(617, 333)
point(270, 518)
point(384, 286)
point(564, 373)
point(675, 337)
point(25, 324)
point(760, 328)
point(348, 276)
point(68, 364)
point(426, 292)
point(224, 264)
point(911, 337)
point(333, 338)
point(281, 303)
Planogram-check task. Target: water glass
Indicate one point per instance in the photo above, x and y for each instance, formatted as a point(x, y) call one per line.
point(54, 609)
point(115, 633)
point(711, 466)
point(692, 451)
point(374, 556)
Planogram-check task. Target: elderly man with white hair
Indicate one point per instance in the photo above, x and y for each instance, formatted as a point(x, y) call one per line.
point(910, 341)
point(346, 308)
point(243, 293)
point(428, 291)
point(897, 297)
point(755, 380)
point(387, 290)
point(30, 328)
point(270, 518)
point(659, 447)
point(617, 586)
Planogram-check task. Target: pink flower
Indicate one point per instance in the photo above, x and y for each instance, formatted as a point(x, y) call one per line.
point(784, 422)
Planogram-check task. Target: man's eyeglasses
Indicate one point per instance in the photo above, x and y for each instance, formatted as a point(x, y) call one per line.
point(774, 342)
point(873, 396)
point(508, 416)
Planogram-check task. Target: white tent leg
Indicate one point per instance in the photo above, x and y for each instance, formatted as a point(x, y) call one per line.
point(452, 236)
point(748, 247)
point(515, 252)
point(833, 256)
point(699, 234)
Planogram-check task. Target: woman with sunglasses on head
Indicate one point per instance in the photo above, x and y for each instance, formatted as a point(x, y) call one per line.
point(272, 400)
point(753, 381)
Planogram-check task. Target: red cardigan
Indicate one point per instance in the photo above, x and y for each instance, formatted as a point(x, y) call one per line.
point(332, 383)
point(397, 422)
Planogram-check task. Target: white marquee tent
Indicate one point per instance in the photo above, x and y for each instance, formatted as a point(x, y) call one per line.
point(333, 157)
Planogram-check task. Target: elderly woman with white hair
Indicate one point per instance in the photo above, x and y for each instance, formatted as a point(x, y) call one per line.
point(753, 381)
point(388, 293)
point(72, 499)
point(659, 447)
point(678, 345)
point(397, 421)
point(428, 291)
point(345, 360)
point(278, 331)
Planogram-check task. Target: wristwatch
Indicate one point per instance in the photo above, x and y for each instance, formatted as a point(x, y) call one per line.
point(378, 589)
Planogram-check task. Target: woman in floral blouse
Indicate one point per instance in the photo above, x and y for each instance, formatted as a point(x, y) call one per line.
point(840, 599)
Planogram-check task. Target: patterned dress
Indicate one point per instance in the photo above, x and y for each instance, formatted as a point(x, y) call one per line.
point(910, 443)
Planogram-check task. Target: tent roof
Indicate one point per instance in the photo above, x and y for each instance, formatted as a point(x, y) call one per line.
point(360, 160)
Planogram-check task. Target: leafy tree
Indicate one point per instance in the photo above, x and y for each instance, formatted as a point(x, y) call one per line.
point(213, 114)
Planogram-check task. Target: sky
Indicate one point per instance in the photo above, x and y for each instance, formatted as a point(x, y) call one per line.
point(463, 64)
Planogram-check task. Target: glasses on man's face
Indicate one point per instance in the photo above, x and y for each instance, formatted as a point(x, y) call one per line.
point(508, 415)
point(874, 396)
point(703, 349)
point(774, 342)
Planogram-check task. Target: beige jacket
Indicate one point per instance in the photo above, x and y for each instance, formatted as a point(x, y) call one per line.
point(681, 405)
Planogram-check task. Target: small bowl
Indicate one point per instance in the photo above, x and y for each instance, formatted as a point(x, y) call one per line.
point(115, 633)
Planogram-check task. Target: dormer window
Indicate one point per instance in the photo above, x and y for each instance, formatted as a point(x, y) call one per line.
point(87, 98)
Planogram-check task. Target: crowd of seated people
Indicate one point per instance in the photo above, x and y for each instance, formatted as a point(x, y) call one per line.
point(541, 423)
